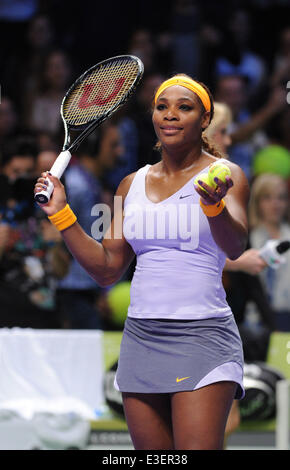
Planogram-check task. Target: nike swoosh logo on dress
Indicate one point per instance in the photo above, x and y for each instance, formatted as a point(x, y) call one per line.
point(187, 195)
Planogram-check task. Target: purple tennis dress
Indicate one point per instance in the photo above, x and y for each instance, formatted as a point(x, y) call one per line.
point(180, 333)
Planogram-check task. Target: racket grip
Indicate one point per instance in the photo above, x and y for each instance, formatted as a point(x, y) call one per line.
point(57, 169)
point(60, 164)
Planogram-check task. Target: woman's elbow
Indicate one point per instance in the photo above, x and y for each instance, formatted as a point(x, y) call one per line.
point(234, 255)
point(236, 251)
point(105, 280)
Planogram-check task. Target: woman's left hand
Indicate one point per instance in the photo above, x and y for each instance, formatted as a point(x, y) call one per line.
point(214, 195)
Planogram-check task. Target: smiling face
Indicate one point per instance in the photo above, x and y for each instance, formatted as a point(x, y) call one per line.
point(179, 118)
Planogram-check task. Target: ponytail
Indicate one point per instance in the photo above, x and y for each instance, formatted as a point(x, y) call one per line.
point(208, 144)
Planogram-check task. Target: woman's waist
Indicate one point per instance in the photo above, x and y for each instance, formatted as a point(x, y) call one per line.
point(176, 291)
point(172, 268)
point(175, 327)
point(179, 295)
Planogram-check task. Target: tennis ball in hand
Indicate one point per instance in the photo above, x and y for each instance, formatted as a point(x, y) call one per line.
point(218, 170)
point(205, 179)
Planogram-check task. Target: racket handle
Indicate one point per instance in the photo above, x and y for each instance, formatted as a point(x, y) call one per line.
point(60, 164)
point(57, 169)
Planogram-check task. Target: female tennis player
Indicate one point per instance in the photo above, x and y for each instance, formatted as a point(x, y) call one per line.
point(181, 360)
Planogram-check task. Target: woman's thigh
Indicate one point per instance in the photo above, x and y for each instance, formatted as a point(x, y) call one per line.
point(199, 417)
point(148, 418)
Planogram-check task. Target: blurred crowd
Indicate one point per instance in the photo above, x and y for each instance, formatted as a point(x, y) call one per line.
point(240, 49)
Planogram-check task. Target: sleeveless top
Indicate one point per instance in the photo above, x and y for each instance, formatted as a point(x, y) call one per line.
point(178, 273)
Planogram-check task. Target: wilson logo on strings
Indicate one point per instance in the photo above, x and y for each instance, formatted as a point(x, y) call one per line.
point(101, 99)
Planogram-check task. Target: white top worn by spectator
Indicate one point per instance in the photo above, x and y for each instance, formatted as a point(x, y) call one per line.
point(276, 282)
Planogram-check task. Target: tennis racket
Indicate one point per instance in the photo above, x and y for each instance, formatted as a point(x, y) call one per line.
point(92, 99)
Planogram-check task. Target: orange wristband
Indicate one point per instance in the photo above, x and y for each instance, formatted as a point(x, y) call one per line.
point(63, 218)
point(214, 209)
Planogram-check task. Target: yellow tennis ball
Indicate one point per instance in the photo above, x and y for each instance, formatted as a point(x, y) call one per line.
point(204, 178)
point(218, 170)
point(119, 301)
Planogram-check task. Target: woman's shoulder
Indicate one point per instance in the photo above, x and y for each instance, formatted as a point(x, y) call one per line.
point(237, 174)
point(235, 169)
point(226, 161)
point(125, 184)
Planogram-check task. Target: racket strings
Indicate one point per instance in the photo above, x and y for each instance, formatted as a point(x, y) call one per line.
point(100, 91)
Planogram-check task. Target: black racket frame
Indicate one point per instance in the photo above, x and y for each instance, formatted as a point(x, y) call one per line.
point(88, 128)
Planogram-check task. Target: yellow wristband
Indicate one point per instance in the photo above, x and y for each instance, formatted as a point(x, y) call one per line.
point(63, 218)
point(213, 209)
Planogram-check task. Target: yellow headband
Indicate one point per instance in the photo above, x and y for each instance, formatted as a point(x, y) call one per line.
point(187, 83)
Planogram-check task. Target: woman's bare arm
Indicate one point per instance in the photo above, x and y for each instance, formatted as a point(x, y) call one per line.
point(230, 228)
point(105, 262)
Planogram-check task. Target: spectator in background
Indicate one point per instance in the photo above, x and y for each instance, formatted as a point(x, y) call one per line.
point(281, 66)
point(27, 283)
point(45, 160)
point(77, 292)
point(48, 142)
point(236, 58)
point(140, 114)
point(267, 211)
point(17, 171)
point(14, 16)
point(127, 162)
point(232, 90)
point(185, 27)
point(141, 45)
point(218, 130)
point(43, 113)
point(8, 120)
point(277, 129)
point(247, 128)
point(26, 63)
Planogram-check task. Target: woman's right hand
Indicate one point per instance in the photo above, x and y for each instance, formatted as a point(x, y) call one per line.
point(58, 198)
